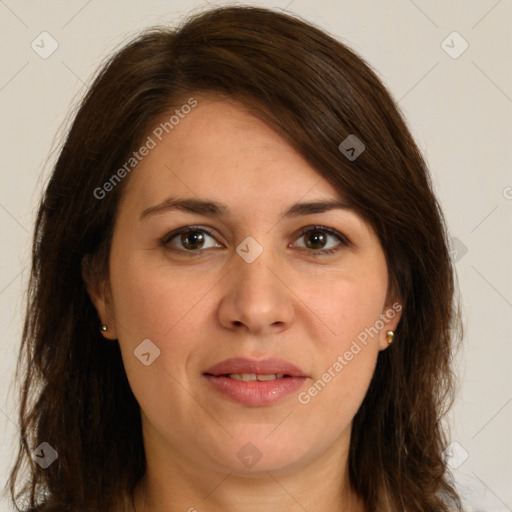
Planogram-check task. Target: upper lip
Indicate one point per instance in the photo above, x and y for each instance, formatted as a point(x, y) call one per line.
point(258, 367)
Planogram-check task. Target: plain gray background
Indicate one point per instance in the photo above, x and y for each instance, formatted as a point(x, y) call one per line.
point(457, 101)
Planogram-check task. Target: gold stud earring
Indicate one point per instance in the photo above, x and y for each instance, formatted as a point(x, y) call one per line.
point(104, 328)
point(390, 335)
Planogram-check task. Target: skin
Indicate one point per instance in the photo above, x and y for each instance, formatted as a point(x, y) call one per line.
point(202, 309)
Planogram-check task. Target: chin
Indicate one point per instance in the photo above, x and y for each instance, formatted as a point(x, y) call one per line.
point(247, 455)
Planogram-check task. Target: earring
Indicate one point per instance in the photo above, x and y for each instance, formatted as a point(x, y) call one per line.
point(390, 335)
point(104, 328)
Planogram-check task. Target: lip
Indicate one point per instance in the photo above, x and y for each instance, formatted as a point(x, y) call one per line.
point(255, 393)
point(262, 366)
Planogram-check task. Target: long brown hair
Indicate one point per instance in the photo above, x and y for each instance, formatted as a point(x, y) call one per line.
point(316, 92)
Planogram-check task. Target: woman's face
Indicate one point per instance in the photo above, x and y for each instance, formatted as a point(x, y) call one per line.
point(247, 293)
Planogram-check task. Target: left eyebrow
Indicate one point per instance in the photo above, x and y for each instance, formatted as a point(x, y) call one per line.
point(215, 209)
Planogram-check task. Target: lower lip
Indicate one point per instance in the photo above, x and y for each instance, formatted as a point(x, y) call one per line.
point(255, 393)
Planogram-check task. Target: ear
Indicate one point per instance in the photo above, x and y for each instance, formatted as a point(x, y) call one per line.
point(390, 317)
point(99, 293)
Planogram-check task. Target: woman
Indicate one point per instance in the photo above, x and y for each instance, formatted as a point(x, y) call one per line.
point(241, 294)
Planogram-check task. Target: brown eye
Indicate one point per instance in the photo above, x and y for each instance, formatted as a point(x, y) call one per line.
point(317, 240)
point(192, 239)
point(189, 239)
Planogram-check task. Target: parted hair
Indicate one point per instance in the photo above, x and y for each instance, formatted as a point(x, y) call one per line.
point(315, 91)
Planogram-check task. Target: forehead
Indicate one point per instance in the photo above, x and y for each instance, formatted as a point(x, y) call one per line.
point(220, 150)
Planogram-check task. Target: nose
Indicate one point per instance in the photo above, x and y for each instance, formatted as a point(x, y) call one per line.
point(256, 296)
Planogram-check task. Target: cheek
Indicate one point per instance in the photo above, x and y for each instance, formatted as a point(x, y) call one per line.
point(150, 304)
point(151, 301)
point(167, 307)
point(350, 308)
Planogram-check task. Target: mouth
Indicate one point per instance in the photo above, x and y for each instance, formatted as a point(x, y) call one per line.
point(248, 377)
point(255, 383)
point(242, 366)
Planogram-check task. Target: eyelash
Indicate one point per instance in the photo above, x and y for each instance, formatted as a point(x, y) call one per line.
point(344, 242)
